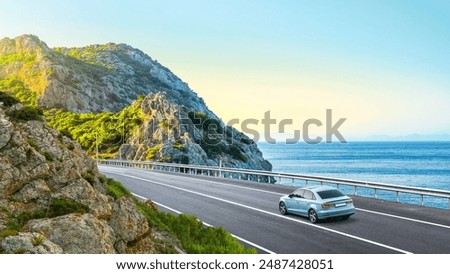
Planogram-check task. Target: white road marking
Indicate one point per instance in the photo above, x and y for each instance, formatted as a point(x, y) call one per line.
point(272, 214)
point(235, 236)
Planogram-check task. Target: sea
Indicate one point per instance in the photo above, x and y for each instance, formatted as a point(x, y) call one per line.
point(417, 164)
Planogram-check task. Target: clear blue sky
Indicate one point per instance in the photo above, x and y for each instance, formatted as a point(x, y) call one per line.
point(384, 65)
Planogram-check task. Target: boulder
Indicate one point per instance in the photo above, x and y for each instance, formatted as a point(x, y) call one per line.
point(77, 234)
point(30, 243)
point(126, 220)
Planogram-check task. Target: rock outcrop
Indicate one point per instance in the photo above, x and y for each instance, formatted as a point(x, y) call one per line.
point(172, 133)
point(53, 198)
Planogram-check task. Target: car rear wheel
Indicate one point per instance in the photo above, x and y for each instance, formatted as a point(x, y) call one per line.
point(283, 209)
point(312, 214)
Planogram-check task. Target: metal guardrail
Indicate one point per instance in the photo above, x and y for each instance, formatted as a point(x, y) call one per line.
point(267, 176)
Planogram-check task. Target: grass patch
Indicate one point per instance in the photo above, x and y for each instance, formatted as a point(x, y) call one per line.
point(193, 235)
point(38, 240)
point(116, 189)
point(90, 178)
point(8, 232)
point(20, 251)
point(60, 207)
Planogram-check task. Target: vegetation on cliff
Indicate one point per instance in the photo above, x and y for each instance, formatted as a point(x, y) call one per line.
point(106, 131)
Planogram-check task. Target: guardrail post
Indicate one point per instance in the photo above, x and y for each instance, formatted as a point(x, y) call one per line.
point(396, 193)
point(421, 200)
point(355, 192)
point(292, 181)
point(306, 182)
point(376, 194)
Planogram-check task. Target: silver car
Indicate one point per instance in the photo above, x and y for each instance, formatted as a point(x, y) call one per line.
point(317, 203)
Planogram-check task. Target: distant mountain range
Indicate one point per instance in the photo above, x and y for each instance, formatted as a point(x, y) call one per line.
point(409, 137)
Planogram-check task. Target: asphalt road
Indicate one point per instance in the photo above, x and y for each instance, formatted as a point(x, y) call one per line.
point(249, 210)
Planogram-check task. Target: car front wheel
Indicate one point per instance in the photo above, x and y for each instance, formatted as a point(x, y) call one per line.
point(312, 214)
point(283, 209)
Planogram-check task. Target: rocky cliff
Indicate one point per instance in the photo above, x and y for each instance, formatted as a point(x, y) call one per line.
point(95, 78)
point(172, 124)
point(53, 198)
point(173, 133)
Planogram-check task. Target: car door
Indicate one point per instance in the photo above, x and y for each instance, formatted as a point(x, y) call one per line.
point(293, 203)
point(304, 204)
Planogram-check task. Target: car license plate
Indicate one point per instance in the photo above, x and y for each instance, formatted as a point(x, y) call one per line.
point(340, 205)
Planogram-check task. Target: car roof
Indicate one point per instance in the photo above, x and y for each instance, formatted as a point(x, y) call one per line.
point(317, 188)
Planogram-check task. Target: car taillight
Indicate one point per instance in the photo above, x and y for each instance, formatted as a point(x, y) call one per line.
point(327, 205)
point(350, 202)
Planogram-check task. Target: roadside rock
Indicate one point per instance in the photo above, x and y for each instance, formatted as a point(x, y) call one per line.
point(126, 220)
point(77, 234)
point(30, 243)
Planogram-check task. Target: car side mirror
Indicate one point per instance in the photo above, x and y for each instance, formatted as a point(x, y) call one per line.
point(292, 195)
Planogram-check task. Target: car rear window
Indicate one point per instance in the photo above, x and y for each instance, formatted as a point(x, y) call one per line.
point(332, 193)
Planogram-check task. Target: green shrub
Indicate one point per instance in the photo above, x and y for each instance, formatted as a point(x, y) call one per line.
point(27, 113)
point(48, 156)
point(60, 207)
point(236, 153)
point(7, 99)
point(38, 239)
point(165, 124)
point(151, 152)
point(90, 178)
point(179, 145)
point(71, 146)
point(33, 144)
point(24, 217)
point(197, 118)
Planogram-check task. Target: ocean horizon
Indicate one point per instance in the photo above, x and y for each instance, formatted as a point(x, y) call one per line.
point(411, 163)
